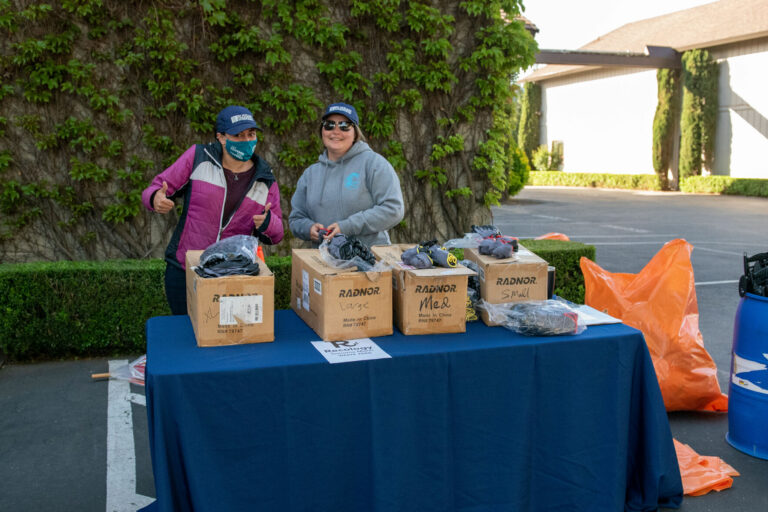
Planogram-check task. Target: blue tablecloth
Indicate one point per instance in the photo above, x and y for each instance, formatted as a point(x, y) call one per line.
point(482, 421)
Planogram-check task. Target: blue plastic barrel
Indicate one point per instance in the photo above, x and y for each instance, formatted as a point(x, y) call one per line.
point(748, 387)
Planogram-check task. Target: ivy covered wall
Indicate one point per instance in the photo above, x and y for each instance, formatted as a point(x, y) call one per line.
point(97, 96)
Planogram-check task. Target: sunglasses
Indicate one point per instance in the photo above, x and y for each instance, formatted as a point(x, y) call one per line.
point(344, 126)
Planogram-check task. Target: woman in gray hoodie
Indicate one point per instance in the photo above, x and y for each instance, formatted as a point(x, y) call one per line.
point(351, 189)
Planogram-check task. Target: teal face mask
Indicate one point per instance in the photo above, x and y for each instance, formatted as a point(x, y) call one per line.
point(241, 150)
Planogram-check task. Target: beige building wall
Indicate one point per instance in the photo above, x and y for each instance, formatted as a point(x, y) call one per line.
point(603, 118)
point(741, 141)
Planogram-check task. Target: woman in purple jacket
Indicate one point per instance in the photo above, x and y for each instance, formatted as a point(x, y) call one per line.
point(227, 190)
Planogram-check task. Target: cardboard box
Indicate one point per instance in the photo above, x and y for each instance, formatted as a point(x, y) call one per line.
point(231, 310)
point(517, 279)
point(340, 304)
point(426, 301)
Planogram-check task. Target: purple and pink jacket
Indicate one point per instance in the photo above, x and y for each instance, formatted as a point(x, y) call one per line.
point(199, 177)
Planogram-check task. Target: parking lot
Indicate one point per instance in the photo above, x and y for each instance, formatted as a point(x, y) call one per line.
point(68, 443)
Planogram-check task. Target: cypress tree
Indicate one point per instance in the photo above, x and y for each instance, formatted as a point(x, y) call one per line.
point(530, 113)
point(667, 111)
point(699, 114)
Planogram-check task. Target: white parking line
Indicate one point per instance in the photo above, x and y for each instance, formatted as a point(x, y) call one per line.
point(624, 228)
point(580, 238)
point(649, 242)
point(696, 245)
point(715, 250)
point(138, 399)
point(121, 450)
point(634, 235)
point(549, 217)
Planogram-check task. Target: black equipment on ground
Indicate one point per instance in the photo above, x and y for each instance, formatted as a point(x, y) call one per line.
point(755, 278)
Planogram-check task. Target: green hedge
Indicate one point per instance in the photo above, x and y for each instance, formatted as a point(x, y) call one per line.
point(565, 256)
point(692, 185)
point(578, 179)
point(74, 309)
point(725, 185)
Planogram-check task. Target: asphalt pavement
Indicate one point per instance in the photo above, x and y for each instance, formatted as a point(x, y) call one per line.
point(627, 229)
point(68, 443)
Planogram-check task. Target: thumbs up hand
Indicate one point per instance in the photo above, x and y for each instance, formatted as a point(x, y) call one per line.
point(258, 220)
point(160, 202)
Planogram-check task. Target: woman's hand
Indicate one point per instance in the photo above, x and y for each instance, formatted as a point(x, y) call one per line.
point(258, 220)
point(333, 230)
point(314, 234)
point(318, 230)
point(160, 202)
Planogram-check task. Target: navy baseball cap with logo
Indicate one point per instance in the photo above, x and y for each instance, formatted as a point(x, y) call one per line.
point(234, 119)
point(345, 110)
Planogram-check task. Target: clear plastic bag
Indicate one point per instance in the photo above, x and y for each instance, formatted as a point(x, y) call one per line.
point(499, 246)
point(468, 241)
point(132, 372)
point(236, 255)
point(536, 318)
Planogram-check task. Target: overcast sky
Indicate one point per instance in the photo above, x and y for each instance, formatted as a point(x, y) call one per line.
point(570, 24)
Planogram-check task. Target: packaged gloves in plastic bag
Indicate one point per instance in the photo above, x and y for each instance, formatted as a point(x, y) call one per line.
point(488, 240)
point(536, 318)
point(429, 254)
point(229, 257)
point(347, 252)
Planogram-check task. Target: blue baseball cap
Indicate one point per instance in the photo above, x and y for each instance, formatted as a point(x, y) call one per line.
point(345, 110)
point(234, 119)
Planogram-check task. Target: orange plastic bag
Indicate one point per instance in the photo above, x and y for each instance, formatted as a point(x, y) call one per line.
point(702, 473)
point(661, 302)
point(553, 236)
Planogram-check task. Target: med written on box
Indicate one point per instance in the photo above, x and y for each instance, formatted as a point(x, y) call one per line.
point(426, 301)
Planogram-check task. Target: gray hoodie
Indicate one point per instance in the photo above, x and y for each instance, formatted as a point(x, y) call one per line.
point(360, 191)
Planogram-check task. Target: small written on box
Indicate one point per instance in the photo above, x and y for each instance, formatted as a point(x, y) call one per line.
point(519, 279)
point(231, 310)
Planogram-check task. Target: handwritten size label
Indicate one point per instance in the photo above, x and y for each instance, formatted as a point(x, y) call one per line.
point(431, 303)
point(509, 294)
point(353, 306)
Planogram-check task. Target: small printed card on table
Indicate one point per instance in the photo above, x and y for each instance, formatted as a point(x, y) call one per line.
point(350, 350)
point(593, 316)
